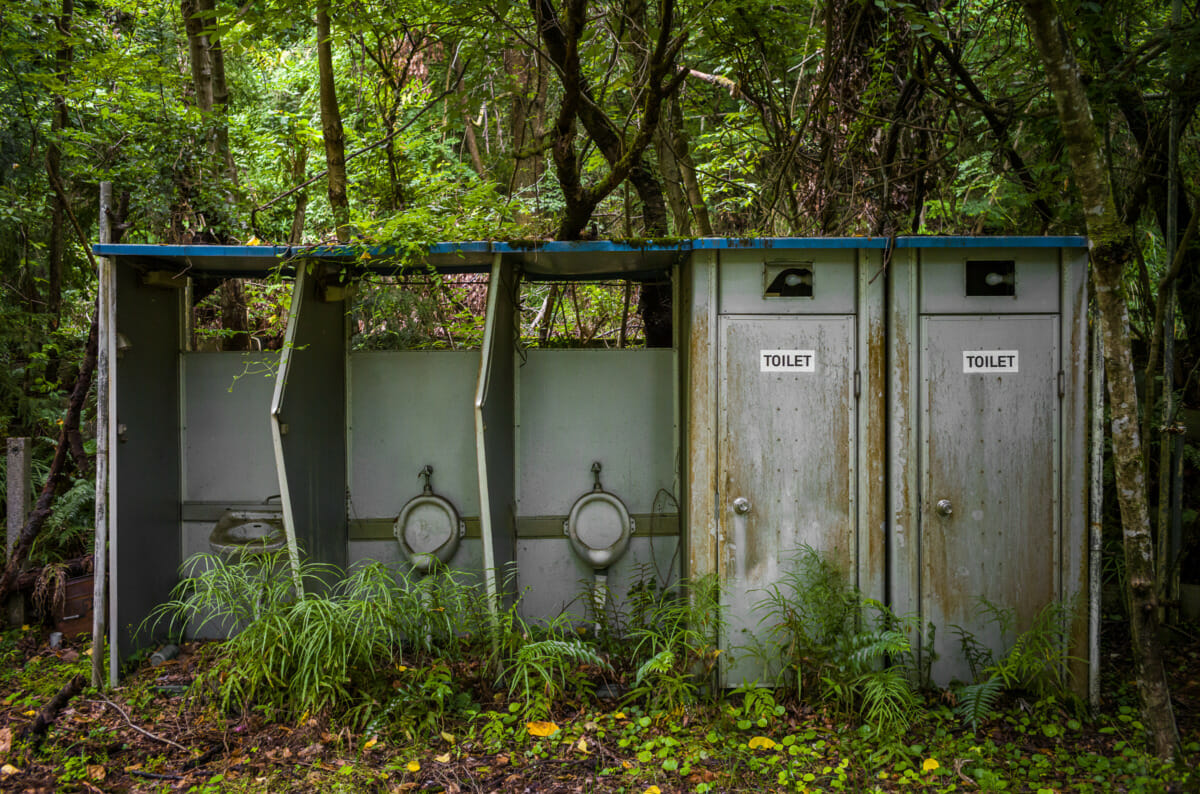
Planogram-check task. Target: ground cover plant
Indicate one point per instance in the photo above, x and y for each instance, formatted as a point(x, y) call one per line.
point(380, 683)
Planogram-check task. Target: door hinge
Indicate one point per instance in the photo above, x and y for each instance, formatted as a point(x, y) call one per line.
point(1062, 384)
point(857, 383)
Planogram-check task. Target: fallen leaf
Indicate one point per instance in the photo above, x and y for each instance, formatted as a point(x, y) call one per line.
point(5, 740)
point(413, 766)
point(30, 713)
point(371, 743)
point(930, 764)
point(96, 772)
point(653, 790)
point(541, 728)
point(582, 745)
point(444, 758)
point(761, 743)
point(448, 738)
point(620, 715)
point(8, 769)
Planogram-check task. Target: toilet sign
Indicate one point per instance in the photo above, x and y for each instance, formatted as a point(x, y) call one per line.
point(787, 361)
point(990, 360)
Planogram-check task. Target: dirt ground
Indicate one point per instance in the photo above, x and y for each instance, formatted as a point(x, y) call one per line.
point(151, 735)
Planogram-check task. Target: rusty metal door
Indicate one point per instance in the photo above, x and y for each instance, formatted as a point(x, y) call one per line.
point(786, 463)
point(990, 479)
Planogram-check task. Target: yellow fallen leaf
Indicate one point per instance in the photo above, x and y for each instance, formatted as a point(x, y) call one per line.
point(541, 728)
point(930, 765)
point(254, 241)
point(30, 713)
point(448, 738)
point(413, 766)
point(401, 668)
point(444, 758)
point(626, 765)
point(761, 743)
point(88, 652)
point(581, 745)
point(620, 715)
point(371, 743)
point(8, 769)
point(25, 627)
point(653, 790)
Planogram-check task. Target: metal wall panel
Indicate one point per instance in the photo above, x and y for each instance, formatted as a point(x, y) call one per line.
point(787, 446)
point(495, 419)
point(944, 283)
point(833, 281)
point(146, 544)
point(698, 298)
point(408, 409)
point(580, 406)
point(312, 408)
point(228, 455)
point(555, 581)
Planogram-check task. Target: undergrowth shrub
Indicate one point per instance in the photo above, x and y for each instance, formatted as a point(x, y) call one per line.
point(1037, 660)
point(672, 637)
point(838, 647)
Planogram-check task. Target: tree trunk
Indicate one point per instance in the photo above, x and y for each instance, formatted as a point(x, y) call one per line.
point(56, 244)
point(235, 319)
point(331, 127)
point(1111, 247)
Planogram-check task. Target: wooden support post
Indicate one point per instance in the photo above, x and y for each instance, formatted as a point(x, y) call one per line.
point(19, 489)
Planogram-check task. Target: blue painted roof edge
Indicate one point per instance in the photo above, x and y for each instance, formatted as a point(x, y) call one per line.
point(593, 246)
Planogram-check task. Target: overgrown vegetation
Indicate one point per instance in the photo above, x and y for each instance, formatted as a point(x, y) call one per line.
point(376, 679)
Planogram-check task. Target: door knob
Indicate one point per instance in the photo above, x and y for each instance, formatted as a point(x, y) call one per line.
point(944, 507)
point(741, 505)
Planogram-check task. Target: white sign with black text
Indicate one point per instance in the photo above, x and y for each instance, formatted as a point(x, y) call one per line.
point(990, 361)
point(787, 361)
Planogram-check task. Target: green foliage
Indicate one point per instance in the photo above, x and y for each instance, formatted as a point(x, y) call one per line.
point(327, 650)
point(1037, 661)
point(815, 621)
point(541, 672)
point(672, 637)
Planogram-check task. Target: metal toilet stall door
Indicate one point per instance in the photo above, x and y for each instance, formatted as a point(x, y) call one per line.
point(787, 422)
point(990, 432)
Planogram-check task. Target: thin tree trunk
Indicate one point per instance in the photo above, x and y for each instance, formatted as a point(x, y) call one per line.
point(299, 171)
point(1111, 248)
point(56, 244)
point(331, 127)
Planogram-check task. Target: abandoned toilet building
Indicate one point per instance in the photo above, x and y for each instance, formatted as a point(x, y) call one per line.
point(915, 410)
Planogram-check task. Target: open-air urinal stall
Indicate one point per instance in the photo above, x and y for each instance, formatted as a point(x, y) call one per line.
point(912, 409)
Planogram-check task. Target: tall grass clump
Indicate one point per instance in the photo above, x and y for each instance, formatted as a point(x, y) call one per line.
point(835, 646)
point(672, 637)
point(334, 649)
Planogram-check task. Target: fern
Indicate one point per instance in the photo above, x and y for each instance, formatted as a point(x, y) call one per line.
point(977, 701)
point(658, 664)
point(888, 701)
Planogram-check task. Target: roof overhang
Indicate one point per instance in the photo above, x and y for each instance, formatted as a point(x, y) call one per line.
point(538, 260)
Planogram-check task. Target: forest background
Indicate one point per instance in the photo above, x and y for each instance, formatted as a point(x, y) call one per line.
point(406, 122)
